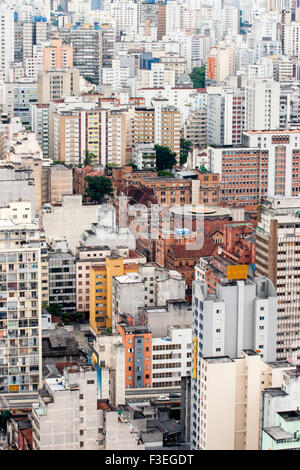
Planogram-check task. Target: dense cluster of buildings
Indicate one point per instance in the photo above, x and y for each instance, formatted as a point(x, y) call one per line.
point(144, 304)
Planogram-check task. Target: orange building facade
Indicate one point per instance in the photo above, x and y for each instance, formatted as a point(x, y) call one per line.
point(138, 355)
point(101, 279)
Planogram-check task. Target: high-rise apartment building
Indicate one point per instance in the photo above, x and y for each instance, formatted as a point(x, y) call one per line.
point(86, 127)
point(195, 128)
point(283, 149)
point(161, 21)
point(143, 130)
point(20, 309)
point(277, 256)
point(57, 56)
point(243, 173)
point(159, 125)
point(87, 52)
point(262, 104)
point(240, 315)
point(227, 400)
point(40, 126)
point(267, 164)
point(66, 417)
point(54, 84)
point(101, 286)
point(108, 43)
point(138, 349)
point(6, 37)
point(62, 280)
point(34, 32)
point(126, 15)
point(20, 96)
point(226, 117)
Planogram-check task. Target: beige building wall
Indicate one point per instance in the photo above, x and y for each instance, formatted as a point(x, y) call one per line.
point(143, 126)
point(170, 130)
point(61, 182)
point(36, 165)
point(117, 138)
point(112, 351)
point(230, 401)
point(66, 138)
point(69, 220)
point(19, 212)
point(54, 84)
point(119, 435)
point(218, 415)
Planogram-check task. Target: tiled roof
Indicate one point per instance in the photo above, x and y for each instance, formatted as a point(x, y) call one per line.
point(140, 195)
point(209, 249)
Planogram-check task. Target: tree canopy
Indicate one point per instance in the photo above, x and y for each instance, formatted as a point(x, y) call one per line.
point(98, 187)
point(198, 77)
point(54, 309)
point(165, 174)
point(185, 147)
point(89, 158)
point(165, 158)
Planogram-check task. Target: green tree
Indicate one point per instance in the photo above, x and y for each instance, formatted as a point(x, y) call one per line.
point(89, 158)
point(133, 166)
point(165, 158)
point(185, 148)
point(54, 309)
point(98, 187)
point(79, 316)
point(165, 173)
point(198, 77)
point(65, 318)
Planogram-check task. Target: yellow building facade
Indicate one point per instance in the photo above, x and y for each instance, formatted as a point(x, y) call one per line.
point(101, 279)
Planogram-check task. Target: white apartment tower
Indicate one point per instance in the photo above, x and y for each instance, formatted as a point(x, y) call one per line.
point(66, 417)
point(20, 309)
point(278, 257)
point(227, 400)
point(262, 105)
point(240, 315)
point(6, 38)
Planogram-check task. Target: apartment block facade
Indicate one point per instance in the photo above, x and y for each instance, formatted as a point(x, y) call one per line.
point(20, 325)
point(101, 285)
point(277, 256)
point(66, 416)
point(240, 315)
point(227, 400)
point(57, 55)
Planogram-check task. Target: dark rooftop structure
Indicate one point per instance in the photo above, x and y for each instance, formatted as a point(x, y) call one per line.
point(59, 346)
point(293, 415)
point(275, 392)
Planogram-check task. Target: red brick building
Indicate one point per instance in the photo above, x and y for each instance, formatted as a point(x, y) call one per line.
point(243, 172)
point(79, 183)
point(239, 242)
point(163, 244)
point(19, 431)
point(183, 260)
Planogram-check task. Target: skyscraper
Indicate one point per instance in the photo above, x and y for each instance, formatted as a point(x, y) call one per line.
point(6, 38)
point(20, 309)
point(277, 256)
